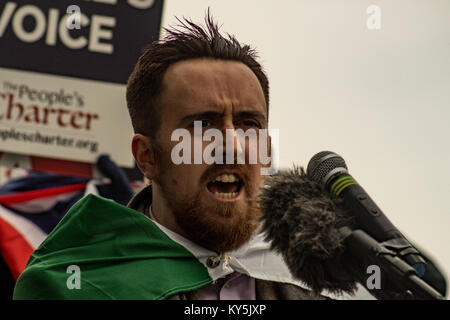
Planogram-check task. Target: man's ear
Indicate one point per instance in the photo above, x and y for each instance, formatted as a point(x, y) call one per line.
point(143, 152)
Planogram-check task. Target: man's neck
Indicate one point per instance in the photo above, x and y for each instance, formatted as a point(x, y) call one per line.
point(161, 212)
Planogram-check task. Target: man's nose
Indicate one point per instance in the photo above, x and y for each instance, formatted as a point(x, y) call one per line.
point(234, 145)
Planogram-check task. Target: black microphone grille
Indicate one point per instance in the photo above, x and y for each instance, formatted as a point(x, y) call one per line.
point(324, 165)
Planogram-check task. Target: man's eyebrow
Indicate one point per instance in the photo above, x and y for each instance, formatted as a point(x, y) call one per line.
point(215, 115)
point(251, 114)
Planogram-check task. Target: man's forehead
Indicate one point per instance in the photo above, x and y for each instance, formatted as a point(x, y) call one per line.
point(200, 69)
point(205, 82)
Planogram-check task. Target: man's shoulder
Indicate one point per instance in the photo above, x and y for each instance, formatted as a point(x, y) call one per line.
point(89, 219)
point(115, 253)
point(269, 290)
point(272, 290)
point(141, 200)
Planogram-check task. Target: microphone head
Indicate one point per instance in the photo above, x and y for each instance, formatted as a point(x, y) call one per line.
point(324, 166)
point(302, 222)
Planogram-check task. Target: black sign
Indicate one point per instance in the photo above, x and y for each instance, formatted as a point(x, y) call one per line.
point(89, 39)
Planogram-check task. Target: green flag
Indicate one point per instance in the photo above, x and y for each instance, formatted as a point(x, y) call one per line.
point(103, 250)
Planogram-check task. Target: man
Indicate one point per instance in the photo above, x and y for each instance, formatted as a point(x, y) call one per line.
point(192, 233)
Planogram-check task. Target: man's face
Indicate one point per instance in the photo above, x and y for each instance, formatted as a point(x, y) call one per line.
point(210, 203)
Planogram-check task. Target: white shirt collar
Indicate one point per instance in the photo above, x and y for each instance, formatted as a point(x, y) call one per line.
point(254, 258)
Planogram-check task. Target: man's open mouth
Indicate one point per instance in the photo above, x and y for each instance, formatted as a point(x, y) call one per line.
point(225, 186)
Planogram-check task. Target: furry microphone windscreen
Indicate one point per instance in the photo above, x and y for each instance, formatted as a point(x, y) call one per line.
point(303, 222)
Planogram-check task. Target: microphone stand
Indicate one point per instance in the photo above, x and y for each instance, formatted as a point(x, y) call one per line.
point(405, 284)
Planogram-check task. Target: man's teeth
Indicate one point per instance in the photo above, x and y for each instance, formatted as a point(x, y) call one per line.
point(230, 195)
point(227, 178)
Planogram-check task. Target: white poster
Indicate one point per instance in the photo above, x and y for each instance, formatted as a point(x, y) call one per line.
point(63, 70)
point(64, 118)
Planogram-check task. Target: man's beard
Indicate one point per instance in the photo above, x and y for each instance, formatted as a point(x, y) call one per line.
point(219, 226)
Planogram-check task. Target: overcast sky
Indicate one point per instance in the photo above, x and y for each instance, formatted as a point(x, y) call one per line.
point(379, 98)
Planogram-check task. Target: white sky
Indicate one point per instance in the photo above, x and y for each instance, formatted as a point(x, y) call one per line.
point(379, 98)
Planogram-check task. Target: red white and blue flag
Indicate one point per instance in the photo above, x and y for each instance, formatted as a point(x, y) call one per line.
point(33, 204)
point(30, 207)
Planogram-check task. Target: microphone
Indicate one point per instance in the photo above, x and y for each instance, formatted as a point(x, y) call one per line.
point(330, 171)
point(322, 243)
point(302, 222)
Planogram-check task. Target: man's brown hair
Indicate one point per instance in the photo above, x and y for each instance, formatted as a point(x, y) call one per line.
point(191, 41)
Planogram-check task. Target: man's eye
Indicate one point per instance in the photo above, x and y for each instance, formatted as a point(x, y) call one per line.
point(252, 123)
point(201, 123)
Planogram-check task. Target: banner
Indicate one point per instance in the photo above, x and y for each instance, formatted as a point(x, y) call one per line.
point(63, 70)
